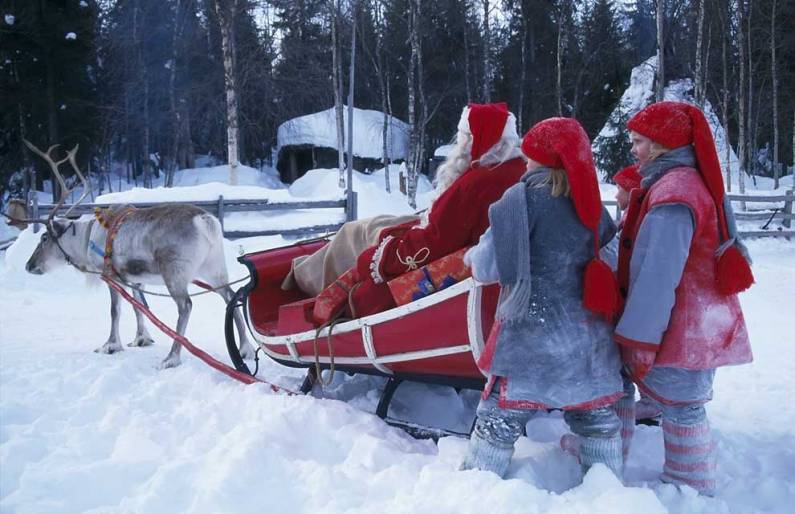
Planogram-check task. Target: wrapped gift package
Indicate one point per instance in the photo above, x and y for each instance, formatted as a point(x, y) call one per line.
point(333, 300)
point(437, 275)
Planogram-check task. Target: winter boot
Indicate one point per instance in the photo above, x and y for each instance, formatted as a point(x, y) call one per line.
point(487, 455)
point(606, 450)
point(689, 456)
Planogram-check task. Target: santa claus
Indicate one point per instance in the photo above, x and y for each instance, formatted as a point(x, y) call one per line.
point(484, 162)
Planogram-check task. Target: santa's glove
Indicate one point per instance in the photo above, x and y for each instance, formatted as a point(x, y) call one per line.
point(639, 361)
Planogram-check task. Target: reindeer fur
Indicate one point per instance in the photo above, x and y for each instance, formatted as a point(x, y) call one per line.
point(170, 245)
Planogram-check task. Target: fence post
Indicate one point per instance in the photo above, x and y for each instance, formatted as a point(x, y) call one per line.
point(34, 207)
point(788, 209)
point(221, 211)
point(351, 206)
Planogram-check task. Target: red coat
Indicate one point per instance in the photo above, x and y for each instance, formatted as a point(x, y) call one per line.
point(457, 220)
point(706, 329)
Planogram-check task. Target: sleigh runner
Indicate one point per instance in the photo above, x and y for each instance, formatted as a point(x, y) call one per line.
point(436, 339)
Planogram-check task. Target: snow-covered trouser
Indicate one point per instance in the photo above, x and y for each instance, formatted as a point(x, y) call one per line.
point(689, 448)
point(491, 444)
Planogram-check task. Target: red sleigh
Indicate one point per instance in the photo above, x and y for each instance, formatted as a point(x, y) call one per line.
point(435, 339)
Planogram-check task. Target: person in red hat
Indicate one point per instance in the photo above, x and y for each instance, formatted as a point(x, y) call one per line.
point(626, 180)
point(487, 144)
point(680, 268)
point(484, 162)
point(552, 345)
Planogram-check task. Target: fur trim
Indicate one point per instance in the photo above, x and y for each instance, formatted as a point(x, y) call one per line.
point(375, 264)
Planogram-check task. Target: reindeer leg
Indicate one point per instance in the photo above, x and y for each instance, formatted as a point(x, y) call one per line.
point(112, 345)
point(179, 292)
point(246, 348)
point(142, 337)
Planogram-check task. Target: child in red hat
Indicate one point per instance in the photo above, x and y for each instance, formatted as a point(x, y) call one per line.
point(552, 345)
point(680, 268)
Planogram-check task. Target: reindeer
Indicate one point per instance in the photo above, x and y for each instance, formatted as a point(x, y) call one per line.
point(171, 245)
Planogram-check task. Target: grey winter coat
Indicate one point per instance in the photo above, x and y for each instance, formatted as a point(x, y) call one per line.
point(557, 355)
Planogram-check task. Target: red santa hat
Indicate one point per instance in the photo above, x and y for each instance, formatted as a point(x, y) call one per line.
point(562, 143)
point(628, 178)
point(675, 124)
point(487, 124)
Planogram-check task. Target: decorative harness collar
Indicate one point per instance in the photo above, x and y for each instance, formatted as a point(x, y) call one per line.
point(111, 221)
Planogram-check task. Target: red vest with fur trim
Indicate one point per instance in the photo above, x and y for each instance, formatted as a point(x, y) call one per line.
point(706, 328)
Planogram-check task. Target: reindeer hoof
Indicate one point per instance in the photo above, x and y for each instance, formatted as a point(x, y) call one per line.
point(109, 348)
point(247, 351)
point(170, 362)
point(142, 341)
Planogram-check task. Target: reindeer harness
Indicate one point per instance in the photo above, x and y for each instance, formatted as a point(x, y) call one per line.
point(111, 222)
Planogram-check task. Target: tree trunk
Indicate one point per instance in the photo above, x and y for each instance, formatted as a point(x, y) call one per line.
point(414, 143)
point(172, 97)
point(749, 147)
point(351, 84)
point(774, 75)
point(466, 52)
point(52, 121)
point(559, 61)
point(660, 89)
point(523, 73)
point(487, 66)
point(336, 76)
point(391, 119)
point(699, 79)
point(725, 106)
point(742, 121)
point(226, 11)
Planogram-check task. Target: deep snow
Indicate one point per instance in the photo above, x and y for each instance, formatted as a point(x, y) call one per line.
point(86, 432)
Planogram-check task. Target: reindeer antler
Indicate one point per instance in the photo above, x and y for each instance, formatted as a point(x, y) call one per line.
point(70, 156)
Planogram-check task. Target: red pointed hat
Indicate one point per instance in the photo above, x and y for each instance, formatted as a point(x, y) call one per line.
point(487, 123)
point(675, 124)
point(562, 143)
point(628, 178)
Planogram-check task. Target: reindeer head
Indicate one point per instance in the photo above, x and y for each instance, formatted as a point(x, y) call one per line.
point(53, 248)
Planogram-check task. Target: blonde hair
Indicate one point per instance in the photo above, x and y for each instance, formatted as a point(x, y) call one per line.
point(559, 182)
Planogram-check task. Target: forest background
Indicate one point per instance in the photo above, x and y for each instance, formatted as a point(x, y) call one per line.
point(150, 84)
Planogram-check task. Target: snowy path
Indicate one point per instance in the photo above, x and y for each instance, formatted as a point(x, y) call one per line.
point(82, 432)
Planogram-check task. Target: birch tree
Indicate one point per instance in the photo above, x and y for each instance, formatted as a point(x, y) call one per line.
point(226, 10)
point(741, 122)
point(774, 76)
point(336, 78)
point(699, 78)
point(488, 72)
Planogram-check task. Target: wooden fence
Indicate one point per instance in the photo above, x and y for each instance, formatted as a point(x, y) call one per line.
point(773, 221)
point(222, 206)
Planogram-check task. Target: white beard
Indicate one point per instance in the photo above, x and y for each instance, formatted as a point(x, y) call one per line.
point(459, 160)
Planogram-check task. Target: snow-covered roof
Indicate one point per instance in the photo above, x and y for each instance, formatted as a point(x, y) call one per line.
point(319, 129)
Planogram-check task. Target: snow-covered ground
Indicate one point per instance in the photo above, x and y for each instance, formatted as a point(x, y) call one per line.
point(82, 432)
